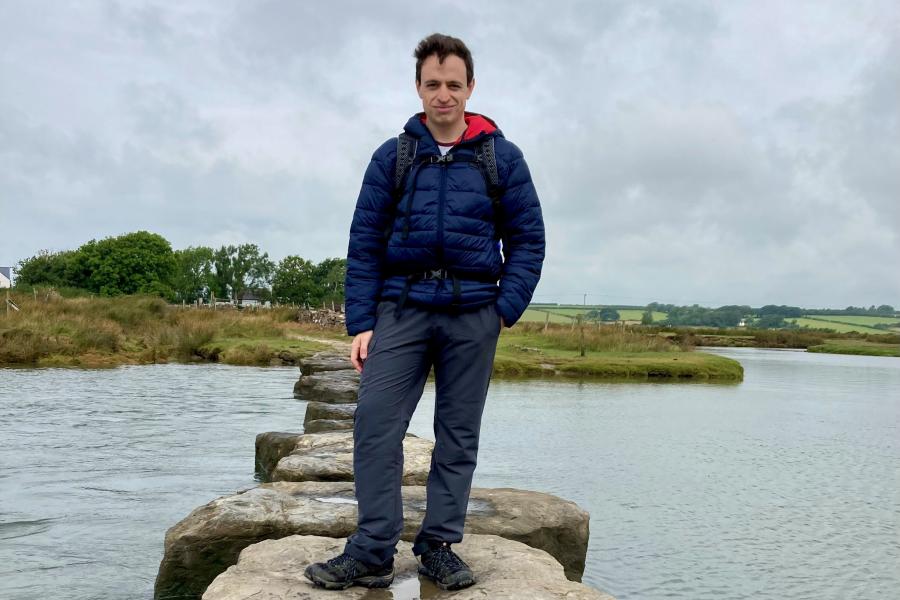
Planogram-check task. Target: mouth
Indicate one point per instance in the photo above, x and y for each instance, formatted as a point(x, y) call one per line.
point(444, 109)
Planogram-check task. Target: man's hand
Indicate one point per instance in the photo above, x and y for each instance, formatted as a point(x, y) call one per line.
point(502, 324)
point(359, 351)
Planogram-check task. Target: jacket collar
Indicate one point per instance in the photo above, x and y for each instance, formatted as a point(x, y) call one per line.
point(477, 127)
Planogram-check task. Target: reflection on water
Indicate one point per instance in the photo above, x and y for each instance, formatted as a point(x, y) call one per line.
point(409, 587)
point(785, 486)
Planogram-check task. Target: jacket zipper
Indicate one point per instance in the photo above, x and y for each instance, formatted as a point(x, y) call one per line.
point(440, 215)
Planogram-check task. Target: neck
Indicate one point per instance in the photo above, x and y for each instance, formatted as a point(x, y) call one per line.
point(446, 133)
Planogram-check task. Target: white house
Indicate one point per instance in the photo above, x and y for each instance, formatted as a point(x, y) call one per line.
point(248, 298)
point(5, 277)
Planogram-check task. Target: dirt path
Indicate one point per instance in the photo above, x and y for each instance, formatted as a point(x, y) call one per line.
point(342, 347)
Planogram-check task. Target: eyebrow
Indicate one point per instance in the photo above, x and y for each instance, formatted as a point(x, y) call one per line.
point(456, 81)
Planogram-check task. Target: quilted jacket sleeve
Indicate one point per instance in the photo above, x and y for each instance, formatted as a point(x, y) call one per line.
point(366, 249)
point(523, 240)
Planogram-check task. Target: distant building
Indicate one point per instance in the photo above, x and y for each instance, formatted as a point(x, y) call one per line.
point(5, 277)
point(248, 299)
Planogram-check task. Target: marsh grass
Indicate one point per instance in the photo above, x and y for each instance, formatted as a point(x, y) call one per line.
point(58, 331)
point(611, 352)
point(606, 338)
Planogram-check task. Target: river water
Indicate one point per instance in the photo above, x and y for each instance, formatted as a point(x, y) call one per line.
point(786, 486)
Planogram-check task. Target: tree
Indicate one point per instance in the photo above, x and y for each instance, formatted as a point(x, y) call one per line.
point(240, 268)
point(770, 321)
point(609, 314)
point(295, 281)
point(45, 268)
point(329, 275)
point(139, 262)
point(786, 311)
point(647, 317)
point(193, 273)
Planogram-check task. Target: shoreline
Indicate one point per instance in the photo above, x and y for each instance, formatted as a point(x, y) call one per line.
point(606, 366)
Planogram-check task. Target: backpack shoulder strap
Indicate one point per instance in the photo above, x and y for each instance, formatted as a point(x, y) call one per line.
point(406, 154)
point(488, 160)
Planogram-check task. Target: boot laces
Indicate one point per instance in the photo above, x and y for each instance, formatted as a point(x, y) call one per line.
point(344, 562)
point(446, 561)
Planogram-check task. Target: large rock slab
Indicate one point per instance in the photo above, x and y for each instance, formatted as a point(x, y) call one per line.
point(329, 457)
point(506, 570)
point(209, 539)
point(323, 425)
point(322, 410)
point(335, 387)
point(324, 361)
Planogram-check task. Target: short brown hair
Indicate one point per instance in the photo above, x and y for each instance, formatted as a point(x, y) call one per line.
point(443, 46)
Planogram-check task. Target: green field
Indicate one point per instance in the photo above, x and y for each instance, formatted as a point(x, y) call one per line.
point(843, 324)
point(865, 321)
point(565, 314)
point(534, 315)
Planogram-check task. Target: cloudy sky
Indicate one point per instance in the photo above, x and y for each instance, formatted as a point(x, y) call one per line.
point(708, 152)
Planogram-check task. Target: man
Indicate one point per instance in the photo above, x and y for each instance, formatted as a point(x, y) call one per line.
point(423, 264)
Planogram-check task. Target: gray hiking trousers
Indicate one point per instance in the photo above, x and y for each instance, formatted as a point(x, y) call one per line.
point(460, 346)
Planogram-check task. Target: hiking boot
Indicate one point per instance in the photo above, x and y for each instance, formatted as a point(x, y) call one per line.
point(445, 568)
point(342, 571)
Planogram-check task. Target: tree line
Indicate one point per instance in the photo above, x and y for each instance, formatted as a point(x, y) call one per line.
point(145, 263)
point(770, 316)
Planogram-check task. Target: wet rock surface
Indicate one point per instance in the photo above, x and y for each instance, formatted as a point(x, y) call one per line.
point(209, 539)
point(505, 569)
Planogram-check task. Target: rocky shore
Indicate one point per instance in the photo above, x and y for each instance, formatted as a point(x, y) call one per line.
point(256, 542)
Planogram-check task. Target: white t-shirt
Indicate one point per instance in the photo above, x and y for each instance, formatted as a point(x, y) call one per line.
point(444, 149)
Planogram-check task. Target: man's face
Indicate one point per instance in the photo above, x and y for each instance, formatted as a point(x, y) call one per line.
point(443, 90)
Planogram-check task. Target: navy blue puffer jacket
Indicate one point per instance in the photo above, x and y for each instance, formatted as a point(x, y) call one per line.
point(449, 221)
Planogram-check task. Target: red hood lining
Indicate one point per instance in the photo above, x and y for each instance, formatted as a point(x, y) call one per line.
point(475, 125)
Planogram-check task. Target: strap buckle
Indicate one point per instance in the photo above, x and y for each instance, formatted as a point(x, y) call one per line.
point(435, 274)
point(435, 159)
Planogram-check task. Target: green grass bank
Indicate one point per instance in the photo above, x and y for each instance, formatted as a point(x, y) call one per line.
point(862, 347)
point(527, 350)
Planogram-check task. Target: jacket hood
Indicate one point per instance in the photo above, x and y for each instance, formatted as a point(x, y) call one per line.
point(476, 126)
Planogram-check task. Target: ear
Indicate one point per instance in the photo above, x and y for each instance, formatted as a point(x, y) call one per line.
point(419, 89)
point(471, 88)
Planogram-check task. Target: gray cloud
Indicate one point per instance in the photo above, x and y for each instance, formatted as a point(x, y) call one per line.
point(684, 151)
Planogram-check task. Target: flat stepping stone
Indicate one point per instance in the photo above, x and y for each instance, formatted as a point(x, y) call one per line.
point(335, 387)
point(329, 457)
point(506, 570)
point(209, 539)
point(323, 425)
point(271, 447)
point(324, 361)
point(324, 410)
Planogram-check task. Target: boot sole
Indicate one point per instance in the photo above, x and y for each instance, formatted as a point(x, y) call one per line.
point(370, 581)
point(448, 587)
